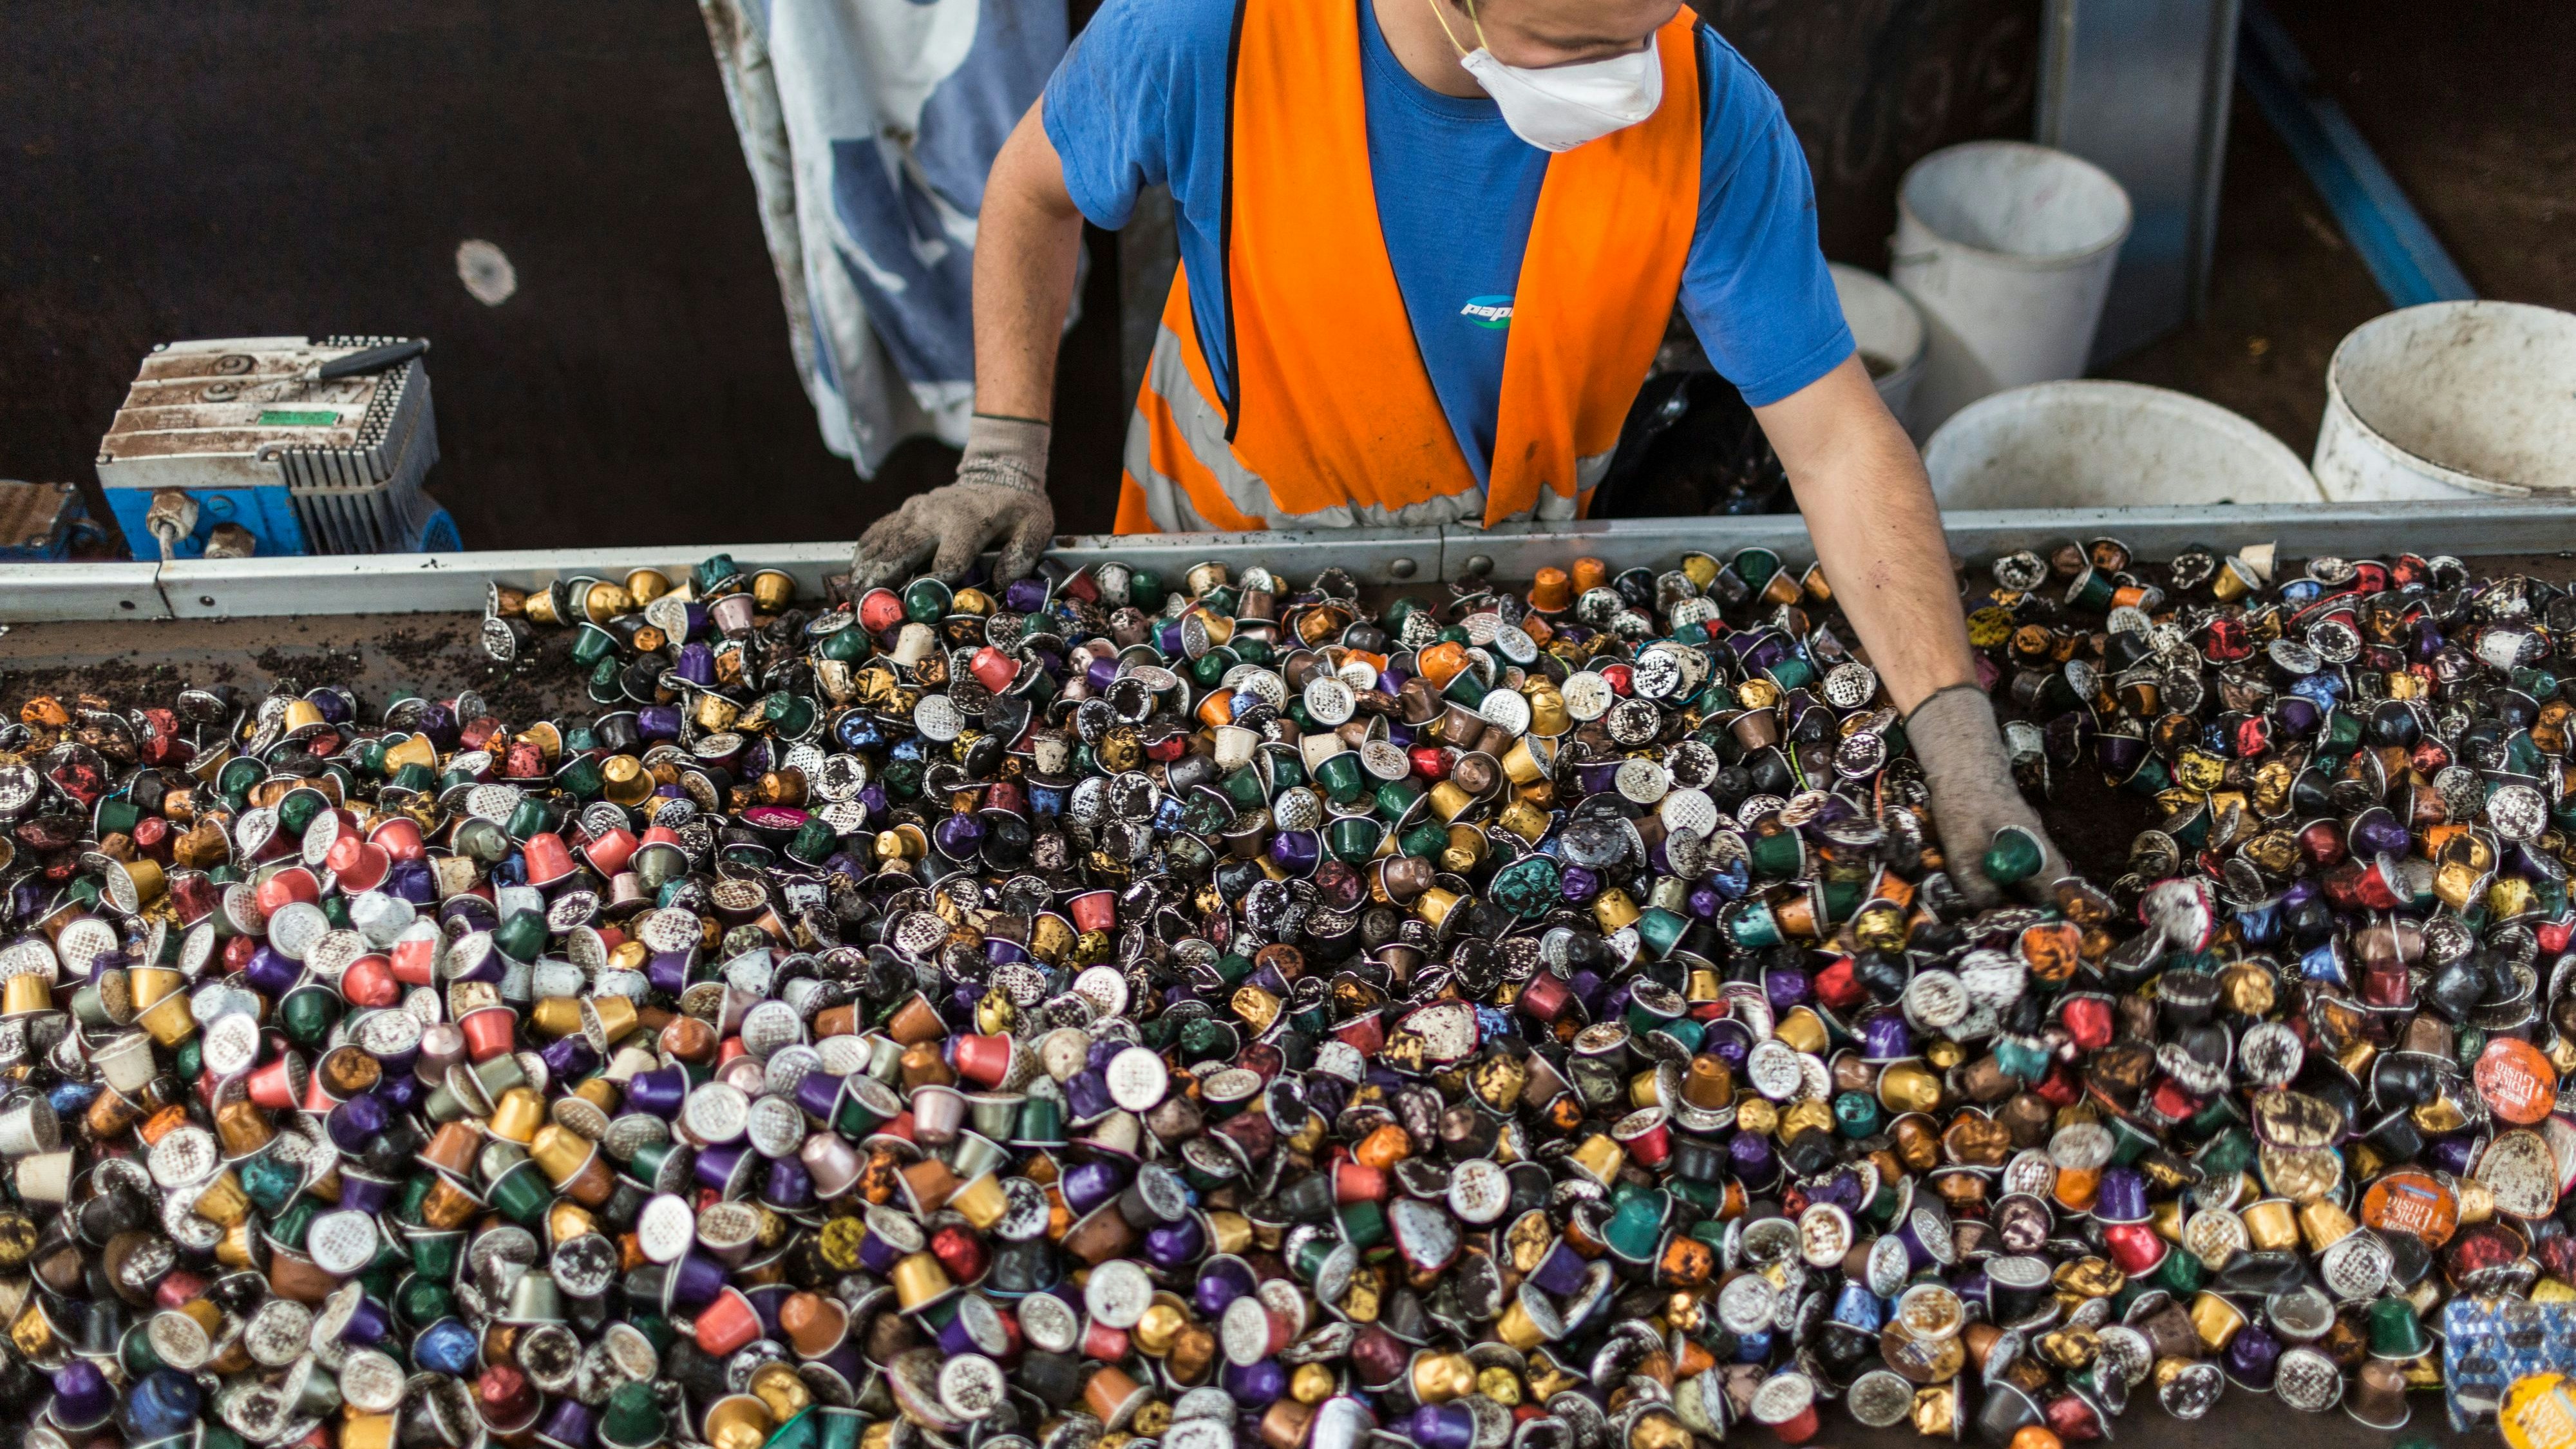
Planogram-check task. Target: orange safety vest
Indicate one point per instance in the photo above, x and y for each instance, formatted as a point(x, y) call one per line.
point(1335, 423)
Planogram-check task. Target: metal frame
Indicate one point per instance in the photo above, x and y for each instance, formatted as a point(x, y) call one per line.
point(2403, 255)
point(2142, 88)
point(32, 593)
point(456, 582)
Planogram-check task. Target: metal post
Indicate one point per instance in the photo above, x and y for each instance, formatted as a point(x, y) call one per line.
point(2403, 255)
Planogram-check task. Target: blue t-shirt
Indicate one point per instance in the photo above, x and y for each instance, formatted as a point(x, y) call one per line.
point(1140, 100)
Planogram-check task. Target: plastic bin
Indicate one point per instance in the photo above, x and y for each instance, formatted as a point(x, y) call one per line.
point(2108, 445)
point(2452, 400)
point(2008, 248)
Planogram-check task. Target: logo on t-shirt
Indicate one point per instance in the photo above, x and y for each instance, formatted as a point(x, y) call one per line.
point(1491, 312)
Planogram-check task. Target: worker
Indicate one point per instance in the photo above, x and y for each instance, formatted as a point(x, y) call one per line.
point(1429, 249)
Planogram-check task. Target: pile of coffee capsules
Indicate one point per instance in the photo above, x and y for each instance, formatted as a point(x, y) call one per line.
point(1221, 1009)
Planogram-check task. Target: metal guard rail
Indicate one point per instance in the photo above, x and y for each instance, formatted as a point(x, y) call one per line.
point(456, 582)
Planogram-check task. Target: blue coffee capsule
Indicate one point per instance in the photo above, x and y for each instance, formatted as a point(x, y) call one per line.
point(445, 1347)
point(70, 1099)
point(2322, 689)
point(162, 1405)
point(1856, 1307)
point(2326, 963)
point(2260, 924)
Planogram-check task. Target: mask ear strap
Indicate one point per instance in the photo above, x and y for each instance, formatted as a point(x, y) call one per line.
point(1453, 35)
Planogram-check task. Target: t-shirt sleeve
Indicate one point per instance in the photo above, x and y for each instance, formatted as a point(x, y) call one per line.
point(1122, 105)
point(1755, 287)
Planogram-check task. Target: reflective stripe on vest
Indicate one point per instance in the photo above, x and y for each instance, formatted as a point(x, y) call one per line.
point(1337, 424)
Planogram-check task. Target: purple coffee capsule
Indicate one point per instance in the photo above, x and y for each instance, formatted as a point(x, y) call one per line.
point(668, 971)
point(570, 1058)
point(1256, 1385)
point(1787, 987)
point(766, 1299)
point(1885, 1037)
point(1086, 1098)
point(659, 1091)
point(1088, 1184)
point(819, 1093)
point(1442, 1426)
point(1561, 1271)
point(1171, 1246)
point(1221, 1281)
point(358, 1122)
point(2251, 1357)
point(958, 836)
point(362, 1191)
point(567, 1425)
point(1754, 1161)
point(1296, 851)
point(404, 1093)
point(789, 1185)
point(725, 1170)
point(270, 973)
point(2122, 1197)
point(696, 1281)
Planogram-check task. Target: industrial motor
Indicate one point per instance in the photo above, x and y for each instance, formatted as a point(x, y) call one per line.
point(40, 522)
point(309, 447)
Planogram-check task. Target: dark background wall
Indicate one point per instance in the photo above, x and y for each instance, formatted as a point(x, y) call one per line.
point(178, 170)
point(1872, 86)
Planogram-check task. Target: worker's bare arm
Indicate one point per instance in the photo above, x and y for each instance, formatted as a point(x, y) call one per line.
point(1026, 244)
point(1877, 531)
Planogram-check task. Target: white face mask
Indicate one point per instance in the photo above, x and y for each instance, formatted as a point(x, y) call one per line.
point(1562, 106)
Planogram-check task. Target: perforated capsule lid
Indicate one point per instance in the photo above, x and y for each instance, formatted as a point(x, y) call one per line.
point(185, 1155)
point(1118, 1293)
point(665, 1228)
point(1480, 1191)
point(716, 1113)
point(775, 1126)
point(1783, 1397)
point(972, 1386)
point(231, 1045)
point(278, 1332)
point(1050, 1323)
point(343, 1243)
point(371, 1382)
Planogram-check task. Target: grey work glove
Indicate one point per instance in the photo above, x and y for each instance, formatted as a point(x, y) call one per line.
point(1954, 734)
point(999, 498)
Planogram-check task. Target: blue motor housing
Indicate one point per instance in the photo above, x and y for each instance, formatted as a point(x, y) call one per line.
point(310, 447)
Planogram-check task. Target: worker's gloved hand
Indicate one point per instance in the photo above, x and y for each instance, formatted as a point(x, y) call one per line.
point(999, 497)
point(1954, 734)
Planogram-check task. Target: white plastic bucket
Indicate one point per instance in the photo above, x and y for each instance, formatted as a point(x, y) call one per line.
point(2008, 248)
point(1889, 330)
point(2089, 444)
point(2452, 400)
